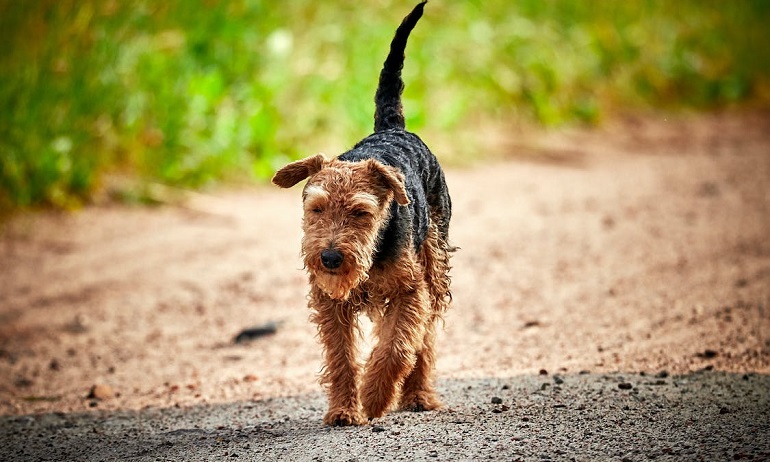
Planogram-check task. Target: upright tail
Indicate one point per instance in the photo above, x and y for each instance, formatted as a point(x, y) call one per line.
point(388, 111)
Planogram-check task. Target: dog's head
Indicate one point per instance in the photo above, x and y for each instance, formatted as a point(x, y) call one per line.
point(345, 206)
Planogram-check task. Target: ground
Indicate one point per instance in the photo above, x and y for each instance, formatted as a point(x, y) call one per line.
point(602, 256)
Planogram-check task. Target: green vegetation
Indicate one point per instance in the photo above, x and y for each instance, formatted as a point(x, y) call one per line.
point(189, 92)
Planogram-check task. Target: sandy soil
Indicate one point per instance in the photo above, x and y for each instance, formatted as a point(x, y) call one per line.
point(643, 246)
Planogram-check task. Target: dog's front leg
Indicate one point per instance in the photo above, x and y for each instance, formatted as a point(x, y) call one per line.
point(336, 322)
point(400, 333)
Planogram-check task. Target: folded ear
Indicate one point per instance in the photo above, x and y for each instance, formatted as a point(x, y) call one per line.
point(297, 171)
point(391, 179)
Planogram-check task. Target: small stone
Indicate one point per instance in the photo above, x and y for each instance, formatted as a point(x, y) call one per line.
point(506, 387)
point(101, 391)
point(497, 400)
point(23, 382)
point(543, 372)
point(724, 411)
point(662, 374)
point(625, 386)
point(250, 378)
point(558, 380)
point(707, 354)
point(377, 429)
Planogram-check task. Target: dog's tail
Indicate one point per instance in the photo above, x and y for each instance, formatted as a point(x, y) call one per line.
point(388, 111)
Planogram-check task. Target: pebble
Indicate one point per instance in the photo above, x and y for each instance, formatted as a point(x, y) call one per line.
point(707, 354)
point(101, 391)
point(543, 372)
point(558, 380)
point(23, 382)
point(377, 429)
point(497, 400)
point(252, 333)
point(625, 386)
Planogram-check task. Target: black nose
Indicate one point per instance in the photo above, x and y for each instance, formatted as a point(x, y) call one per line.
point(331, 258)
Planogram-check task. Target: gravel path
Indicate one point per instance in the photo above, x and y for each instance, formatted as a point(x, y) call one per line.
point(699, 416)
point(638, 248)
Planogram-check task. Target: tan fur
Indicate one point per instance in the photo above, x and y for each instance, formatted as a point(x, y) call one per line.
point(345, 205)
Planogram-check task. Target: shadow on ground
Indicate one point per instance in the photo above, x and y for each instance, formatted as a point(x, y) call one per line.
point(704, 415)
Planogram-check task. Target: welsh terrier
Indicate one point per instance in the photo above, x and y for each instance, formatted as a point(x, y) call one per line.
point(376, 223)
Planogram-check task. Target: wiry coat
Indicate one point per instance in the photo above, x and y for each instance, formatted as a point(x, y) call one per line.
point(376, 222)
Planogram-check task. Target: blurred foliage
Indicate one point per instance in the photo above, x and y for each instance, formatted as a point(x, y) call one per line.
point(189, 92)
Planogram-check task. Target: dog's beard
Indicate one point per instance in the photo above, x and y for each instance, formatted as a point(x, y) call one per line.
point(339, 283)
point(338, 286)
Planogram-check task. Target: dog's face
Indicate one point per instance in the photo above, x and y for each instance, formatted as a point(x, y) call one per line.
point(345, 205)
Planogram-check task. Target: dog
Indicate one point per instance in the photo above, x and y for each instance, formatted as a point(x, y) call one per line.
point(376, 225)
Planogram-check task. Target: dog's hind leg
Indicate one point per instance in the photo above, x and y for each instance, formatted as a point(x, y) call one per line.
point(418, 393)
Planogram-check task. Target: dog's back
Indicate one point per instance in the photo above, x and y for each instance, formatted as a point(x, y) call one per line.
point(392, 145)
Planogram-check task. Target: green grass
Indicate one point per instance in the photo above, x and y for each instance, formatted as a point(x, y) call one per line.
point(193, 92)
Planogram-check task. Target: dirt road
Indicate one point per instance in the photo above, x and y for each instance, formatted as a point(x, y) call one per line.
point(643, 247)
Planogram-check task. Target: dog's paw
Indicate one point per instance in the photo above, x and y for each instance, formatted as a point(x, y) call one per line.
point(419, 402)
point(343, 418)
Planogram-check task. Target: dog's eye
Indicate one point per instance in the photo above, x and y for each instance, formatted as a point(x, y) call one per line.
point(359, 213)
point(317, 210)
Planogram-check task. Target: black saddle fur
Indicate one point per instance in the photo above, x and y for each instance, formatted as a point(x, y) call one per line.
point(392, 145)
